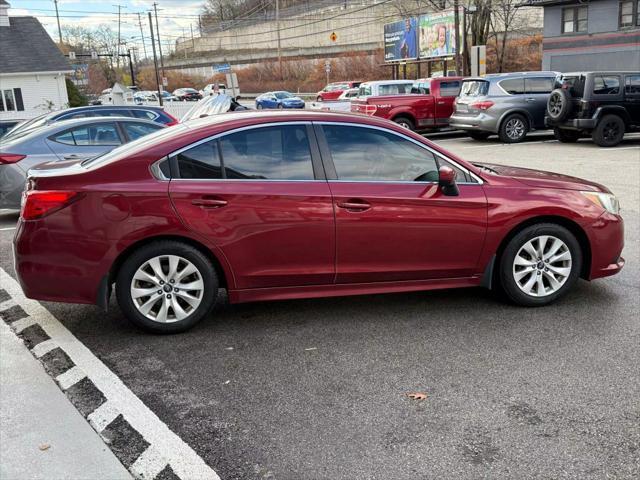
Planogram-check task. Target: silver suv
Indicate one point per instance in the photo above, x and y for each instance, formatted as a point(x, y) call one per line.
point(509, 104)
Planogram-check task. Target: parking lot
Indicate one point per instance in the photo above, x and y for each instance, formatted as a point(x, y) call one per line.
point(317, 389)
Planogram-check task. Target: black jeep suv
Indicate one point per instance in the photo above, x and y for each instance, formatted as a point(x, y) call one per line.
point(602, 104)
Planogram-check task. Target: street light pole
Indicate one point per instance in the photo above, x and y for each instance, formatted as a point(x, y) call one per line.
point(456, 16)
point(155, 9)
point(155, 59)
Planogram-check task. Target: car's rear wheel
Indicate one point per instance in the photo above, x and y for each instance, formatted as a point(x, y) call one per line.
point(259, 106)
point(479, 135)
point(540, 264)
point(566, 136)
point(405, 122)
point(166, 287)
point(609, 131)
point(514, 128)
point(280, 105)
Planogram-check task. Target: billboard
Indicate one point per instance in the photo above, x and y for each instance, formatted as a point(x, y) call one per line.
point(401, 40)
point(80, 73)
point(437, 34)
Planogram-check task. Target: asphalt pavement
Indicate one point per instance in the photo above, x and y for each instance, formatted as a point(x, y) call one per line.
point(317, 389)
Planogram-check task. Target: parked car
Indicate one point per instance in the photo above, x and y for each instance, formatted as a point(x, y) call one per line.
point(155, 114)
point(213, 105)
point(429, 106)
point(309, 204)
point(187, 94)
point(213, 88)
point(604, 105)
point(333, 90)
point(341, 104)
point(278, 100)
point(62, 141)
point(509, 104)
point(384, 87)
point(6, 126)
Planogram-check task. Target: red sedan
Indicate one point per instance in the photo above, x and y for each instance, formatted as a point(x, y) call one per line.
point(279, 205)
point(333, 90)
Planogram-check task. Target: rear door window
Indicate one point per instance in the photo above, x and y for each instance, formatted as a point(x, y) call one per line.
point(450, 89)
point(86, 135)
point(606, 85)
point(539, 84)
point(632, 85)
point(513, 86)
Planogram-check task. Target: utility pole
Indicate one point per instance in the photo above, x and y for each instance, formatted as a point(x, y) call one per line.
point(118, 46)
point(58, 19)
point(133, 76)
point(456, 13)
point(193, 42)
point(155, 9)
point(278, 28)
point(155, 59)
point(144, 47)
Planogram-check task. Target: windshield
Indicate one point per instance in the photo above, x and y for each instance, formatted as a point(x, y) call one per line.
point(573, 83)
point(474, 88)
point(282, 95)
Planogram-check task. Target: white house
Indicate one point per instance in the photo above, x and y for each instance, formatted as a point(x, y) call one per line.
point(32, 68)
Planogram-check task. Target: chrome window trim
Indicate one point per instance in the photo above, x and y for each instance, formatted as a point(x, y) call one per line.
point(157, 172)
point(479, 180)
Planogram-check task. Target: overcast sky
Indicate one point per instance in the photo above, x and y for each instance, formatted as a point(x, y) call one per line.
point(173, 16)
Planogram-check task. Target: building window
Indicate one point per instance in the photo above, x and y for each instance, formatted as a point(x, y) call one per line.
point(574, 19)
point(629, 13)
point(11, 100)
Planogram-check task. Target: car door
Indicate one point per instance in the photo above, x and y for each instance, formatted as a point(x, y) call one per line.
point(259, 195)
point(393, 222)
point(85, 141)
point(448, 90)
point(537, 91)
point(632, 96)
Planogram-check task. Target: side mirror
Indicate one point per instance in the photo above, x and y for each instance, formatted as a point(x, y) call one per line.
point(447, 181)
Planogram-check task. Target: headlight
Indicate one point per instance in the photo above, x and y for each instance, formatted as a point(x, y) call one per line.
point(605, 200)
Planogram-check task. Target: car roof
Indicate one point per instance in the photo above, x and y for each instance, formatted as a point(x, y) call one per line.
point(102, 107)
point(604, 72)
point(387, 82)
point(73, 122)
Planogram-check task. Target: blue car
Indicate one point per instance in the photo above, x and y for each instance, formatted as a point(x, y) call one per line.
point(278, 100)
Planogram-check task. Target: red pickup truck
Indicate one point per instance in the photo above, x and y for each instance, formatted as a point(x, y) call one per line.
point(428, 106)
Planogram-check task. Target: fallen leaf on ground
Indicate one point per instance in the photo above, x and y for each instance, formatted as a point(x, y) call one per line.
point(417, 396)
point(44, 446)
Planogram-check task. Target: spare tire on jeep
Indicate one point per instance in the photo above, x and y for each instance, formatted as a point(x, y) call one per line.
point(559, 104)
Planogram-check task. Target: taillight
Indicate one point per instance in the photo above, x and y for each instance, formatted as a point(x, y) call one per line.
point(369, 109)
point(487, 104)
point(6, 158)
point(39, 203)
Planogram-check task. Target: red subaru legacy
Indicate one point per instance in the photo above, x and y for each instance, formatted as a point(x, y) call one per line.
point(290, 205)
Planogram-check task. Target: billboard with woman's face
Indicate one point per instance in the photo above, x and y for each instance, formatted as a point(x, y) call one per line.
point(437, 34)
point(401, 40)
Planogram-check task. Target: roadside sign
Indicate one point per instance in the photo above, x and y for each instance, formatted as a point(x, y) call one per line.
point(72, 55)
point(232, 84)
point(165, 82)
point(333, 37)
point(221, 68)
point(94, 55)
point(479, 60)
point(327, 68)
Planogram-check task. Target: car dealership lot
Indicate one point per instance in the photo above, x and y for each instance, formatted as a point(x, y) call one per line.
point(317, 388)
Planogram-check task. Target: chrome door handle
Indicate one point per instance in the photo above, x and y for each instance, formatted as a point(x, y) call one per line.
point(209, 202)
point(530, 99)
point(441, 103)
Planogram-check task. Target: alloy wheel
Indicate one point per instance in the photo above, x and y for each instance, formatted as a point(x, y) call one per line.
point(555, 104)
point(167, 288)
point(610, 131)
point(542, 266)
point(515, 128)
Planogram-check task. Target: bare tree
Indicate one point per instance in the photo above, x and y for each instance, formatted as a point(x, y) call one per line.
point(504, 21)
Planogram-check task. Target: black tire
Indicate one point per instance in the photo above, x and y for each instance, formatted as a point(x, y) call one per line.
point(513, 128)
point(159, 248)
point(479, 135)
point(280, 106)
point(566, 136)
point(259, 106)
point(559, 104)
point(506, 273)
point(609, 131)
point(319, 99)
point(405, 122)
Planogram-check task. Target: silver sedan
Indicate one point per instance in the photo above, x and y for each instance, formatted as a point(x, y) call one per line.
point(66, 140)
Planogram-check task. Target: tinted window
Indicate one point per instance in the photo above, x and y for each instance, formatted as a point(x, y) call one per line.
point(137, 130)
point(76, 115)
point(201, 161)
point(366, 154)
point(146, 114)
point(94, 134)
point(364, 91)
point(513, 86)
point(104, 112)
point(539, 84)
point(632, 84)
point(275, 153)
point(606, 85)
point(449, 89)
point(474, 88)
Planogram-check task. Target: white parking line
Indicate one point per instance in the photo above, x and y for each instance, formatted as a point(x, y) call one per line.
point(184, 462)
point(6, 229)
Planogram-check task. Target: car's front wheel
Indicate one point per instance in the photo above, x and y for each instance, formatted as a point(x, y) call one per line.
point(540, 264)
point(259, 106)
point(166, 287)
point(280, 105)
